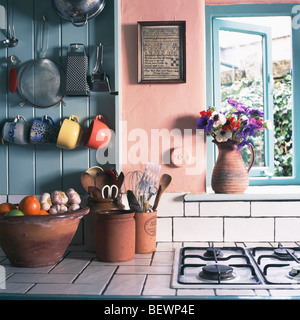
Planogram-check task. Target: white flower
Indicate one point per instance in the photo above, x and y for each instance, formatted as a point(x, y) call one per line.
point(219, 119)
point(223, 135)
point(267, 124)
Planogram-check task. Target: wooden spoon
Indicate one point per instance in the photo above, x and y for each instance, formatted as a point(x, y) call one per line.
point(86, 181)
point(164, 182)
point(95, 193)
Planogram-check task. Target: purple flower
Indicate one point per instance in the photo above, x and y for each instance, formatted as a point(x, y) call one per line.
point(257, 123)
point(241, 109)
point(256, 112)
point(248, 130)
point(205, 123)
point(243, 143)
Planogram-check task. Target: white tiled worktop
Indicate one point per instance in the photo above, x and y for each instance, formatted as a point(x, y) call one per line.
point(79, 273)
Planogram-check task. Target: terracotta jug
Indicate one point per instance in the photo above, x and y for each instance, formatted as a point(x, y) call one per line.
point(230, 174)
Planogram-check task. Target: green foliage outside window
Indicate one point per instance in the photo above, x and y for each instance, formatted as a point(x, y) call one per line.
point(250, 93)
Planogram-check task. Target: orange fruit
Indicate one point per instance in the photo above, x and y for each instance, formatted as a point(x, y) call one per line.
point(30, 205)
point(43, 213)
point(6, 207)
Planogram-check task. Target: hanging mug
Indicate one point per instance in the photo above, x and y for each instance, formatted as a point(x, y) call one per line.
point(43, 131)
point(70, 133)
point(16, 132)
point(98, 134)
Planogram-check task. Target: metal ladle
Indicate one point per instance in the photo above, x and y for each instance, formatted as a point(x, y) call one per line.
point(11, 41)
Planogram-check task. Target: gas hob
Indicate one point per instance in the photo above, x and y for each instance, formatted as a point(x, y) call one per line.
point(236, 267)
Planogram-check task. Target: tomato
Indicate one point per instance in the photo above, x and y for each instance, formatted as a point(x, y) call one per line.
point(30, 205)
point(43, 213)
point(6, 207)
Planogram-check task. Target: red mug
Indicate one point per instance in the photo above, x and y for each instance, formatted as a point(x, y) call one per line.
point(98, 134)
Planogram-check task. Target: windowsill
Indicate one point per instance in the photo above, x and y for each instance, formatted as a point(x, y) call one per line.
point(253, 193)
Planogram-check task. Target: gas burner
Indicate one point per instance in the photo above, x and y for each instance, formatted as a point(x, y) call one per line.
point(211, 252)
point(295, 271)
point(217, 272)
point(284, 253)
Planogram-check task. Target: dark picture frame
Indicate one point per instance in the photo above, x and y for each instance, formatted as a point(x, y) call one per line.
point(161, 52)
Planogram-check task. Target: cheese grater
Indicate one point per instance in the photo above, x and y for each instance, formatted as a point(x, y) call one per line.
point(77, 68)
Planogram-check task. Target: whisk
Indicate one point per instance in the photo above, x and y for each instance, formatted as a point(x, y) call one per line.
point(131, 180)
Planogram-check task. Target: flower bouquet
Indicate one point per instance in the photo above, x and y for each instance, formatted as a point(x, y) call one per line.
point(231, 131)
point(237, 124)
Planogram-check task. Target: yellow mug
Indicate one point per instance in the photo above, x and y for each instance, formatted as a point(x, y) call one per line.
point(70, 133)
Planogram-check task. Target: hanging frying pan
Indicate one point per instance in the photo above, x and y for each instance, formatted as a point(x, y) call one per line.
point(42, 81)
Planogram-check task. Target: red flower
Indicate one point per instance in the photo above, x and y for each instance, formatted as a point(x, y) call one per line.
point(206, 113)
point(229, 125)
point(237, 125)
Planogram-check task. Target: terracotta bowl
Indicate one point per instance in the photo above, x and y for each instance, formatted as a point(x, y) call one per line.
point(36, 241)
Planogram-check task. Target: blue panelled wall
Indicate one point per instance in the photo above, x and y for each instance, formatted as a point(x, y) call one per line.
point(34, 169)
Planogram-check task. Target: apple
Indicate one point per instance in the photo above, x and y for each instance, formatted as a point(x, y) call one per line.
point(14, 212)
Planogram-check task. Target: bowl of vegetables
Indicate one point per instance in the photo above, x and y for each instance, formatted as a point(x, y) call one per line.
point(32, 236)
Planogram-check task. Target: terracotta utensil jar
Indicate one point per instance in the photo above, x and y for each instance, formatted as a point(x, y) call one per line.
point(145, 235)
point(36, 241)
point(115, 236)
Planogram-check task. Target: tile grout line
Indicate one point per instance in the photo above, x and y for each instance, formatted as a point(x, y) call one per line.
point(109, 281)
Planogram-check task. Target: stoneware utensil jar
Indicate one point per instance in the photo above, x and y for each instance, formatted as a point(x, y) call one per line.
point(37, 241)
point(90, 220)
point(115, 236)
point(145, 235)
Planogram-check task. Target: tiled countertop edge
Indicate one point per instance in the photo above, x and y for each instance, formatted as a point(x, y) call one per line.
point(260, 193)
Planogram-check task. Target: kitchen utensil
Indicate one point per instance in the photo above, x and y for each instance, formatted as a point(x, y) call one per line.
point(95, 193)
point(70, 133)
point(102, 179)
point(164, 182)
point(132, 179)
point(133, 202)
point(43, 131)
point(99, 79)
point(16, 132)
point(42, 81)
point(87, 180)
point(94, 170)
point(112, 191)
point(120, 180)
point(13, 62)
point(98, 134)
point(79, 11)
point(77, 67)
point(147, 186)
point(11, 40)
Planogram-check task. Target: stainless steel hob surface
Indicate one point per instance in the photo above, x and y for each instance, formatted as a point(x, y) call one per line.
point(236, 267)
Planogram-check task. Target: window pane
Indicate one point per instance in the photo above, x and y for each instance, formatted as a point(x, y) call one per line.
point(241, 72)
point(245, 87)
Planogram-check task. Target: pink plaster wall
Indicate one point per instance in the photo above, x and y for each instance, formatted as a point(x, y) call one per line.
point(228, 2)
point(169, 106)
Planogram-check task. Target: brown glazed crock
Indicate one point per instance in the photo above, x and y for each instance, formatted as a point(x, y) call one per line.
point(36, 241)
point(115, 236)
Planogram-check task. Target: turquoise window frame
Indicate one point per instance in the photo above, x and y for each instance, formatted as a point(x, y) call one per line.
point(248, 10)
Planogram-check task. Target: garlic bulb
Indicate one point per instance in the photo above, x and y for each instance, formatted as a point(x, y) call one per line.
point(59, 197)
point(46, 201)
point(58, 208)
point(74, 207)
point(73, 196)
